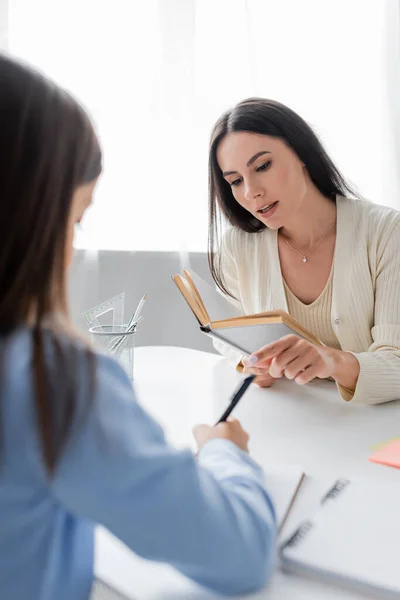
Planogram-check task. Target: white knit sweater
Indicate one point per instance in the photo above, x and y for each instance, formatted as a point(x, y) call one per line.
point(366, 290)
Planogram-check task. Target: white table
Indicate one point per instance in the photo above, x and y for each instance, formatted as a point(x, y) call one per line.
point(310, 426)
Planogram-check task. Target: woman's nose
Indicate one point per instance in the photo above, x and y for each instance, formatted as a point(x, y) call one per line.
point(252, 192)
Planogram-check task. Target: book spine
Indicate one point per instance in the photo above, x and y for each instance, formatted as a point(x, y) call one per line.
point(205, 329)
point(336, 490)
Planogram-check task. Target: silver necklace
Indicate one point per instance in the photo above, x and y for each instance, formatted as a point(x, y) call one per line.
point(304, 257)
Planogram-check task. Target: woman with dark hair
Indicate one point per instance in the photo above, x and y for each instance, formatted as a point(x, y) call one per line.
point(76, 447)
point(302, 241)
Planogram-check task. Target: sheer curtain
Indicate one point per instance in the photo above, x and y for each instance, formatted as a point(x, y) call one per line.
point(156, 74)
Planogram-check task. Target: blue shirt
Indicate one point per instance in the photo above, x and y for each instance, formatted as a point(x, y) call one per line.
point(210, 517)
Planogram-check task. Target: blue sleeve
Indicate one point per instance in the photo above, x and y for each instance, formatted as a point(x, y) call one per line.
point(210, 518)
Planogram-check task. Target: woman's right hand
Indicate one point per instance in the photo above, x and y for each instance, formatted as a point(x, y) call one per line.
point(228, 430)
point(263, 378)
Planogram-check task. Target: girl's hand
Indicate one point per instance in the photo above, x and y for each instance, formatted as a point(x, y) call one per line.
point(228, 430)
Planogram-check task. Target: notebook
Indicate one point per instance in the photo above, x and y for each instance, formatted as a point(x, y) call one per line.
point(133, 577)
point(382, 444)
point(102, 591)
point(353, 540)
point(219, 319)
point(388, 455)
point(283, 485)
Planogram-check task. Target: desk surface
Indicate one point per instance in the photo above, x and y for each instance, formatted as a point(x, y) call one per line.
point(310, 426)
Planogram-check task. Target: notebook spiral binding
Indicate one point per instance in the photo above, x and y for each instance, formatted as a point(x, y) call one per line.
point(305, 527)
point(298, 535)
point(335, 490)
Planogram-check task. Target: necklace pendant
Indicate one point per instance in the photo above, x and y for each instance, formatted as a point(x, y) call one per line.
point(304, 259)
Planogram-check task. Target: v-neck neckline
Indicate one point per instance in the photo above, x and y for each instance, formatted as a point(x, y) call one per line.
point(278, 287)
point(272, 287)
point(322, 293)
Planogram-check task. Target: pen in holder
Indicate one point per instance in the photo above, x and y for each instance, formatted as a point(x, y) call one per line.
point(118, 340)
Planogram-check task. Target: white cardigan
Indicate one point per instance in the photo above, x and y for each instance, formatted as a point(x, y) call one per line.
point(365, 298)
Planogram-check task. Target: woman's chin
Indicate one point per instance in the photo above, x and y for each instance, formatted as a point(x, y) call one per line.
point(273, 223)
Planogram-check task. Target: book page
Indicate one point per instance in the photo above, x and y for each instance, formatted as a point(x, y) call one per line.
point(185, 289)
point(251, 338)
point(217, 306)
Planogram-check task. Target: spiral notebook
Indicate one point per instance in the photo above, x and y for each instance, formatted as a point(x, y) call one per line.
point(283, 485)
point(132, 577)
point(353, 540)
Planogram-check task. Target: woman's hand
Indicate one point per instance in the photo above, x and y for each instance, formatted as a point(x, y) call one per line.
point(295, 358)
point(228, 430)
point(263, 379)
point(298, 359)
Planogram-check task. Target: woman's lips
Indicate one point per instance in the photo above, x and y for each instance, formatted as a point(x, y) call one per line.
point(268, 209)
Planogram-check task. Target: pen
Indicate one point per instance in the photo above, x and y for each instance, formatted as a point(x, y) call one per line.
point(236, 397)
point(134, 320)
point(139, 309)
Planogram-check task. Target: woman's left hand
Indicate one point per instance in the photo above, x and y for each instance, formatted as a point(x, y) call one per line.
point(294, 357)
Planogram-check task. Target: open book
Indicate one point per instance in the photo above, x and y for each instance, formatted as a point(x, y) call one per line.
point(219, 319)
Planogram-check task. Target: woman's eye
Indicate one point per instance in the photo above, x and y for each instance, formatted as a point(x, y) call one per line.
point(264, 167)
point(235, 182)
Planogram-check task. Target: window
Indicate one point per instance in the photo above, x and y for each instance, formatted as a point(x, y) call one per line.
point(155, 75)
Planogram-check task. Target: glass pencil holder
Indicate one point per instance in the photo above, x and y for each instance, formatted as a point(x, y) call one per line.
point(117, 341)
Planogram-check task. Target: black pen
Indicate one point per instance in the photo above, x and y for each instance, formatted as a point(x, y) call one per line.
point(236, 397)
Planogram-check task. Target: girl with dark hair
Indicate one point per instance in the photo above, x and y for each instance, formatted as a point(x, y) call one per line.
point(302, 241)
point(76, 447)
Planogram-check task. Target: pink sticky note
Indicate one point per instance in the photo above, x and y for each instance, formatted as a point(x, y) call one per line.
point(388, 455)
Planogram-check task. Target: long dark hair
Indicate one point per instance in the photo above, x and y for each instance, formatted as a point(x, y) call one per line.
point(267, 117)
point(48, 148)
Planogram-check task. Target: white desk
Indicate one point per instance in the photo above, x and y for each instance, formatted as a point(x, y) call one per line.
point(310, 426)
